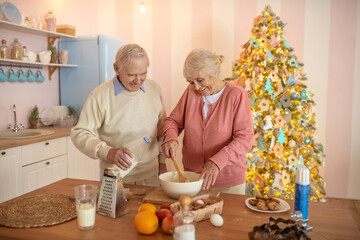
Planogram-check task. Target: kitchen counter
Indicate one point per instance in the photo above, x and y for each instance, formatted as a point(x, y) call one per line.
point(334, 219)
point(58, 132)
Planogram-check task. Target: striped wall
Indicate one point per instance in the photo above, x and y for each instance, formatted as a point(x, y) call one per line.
point(325, 35)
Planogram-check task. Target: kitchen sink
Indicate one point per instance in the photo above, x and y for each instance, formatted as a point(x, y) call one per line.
point(24, 133)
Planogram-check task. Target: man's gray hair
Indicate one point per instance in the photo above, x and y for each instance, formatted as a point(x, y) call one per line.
point(127, 53)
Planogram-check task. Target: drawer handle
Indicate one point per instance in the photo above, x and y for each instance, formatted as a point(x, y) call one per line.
point(3, 153)
point(47, 163)
point(47, 143)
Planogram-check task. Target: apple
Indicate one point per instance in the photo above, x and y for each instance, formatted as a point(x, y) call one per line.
point(163, 213)
point(165, 205)
point(167, 225)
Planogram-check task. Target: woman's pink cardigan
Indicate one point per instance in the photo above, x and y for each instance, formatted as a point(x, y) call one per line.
point(224, 137)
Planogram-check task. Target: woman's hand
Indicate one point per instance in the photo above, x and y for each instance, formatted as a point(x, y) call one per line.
point(118, 157)
point(169, 149)
point(209, 173)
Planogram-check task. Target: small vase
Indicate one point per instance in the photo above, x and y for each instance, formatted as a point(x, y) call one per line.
point(54, 58)
point(33, 122)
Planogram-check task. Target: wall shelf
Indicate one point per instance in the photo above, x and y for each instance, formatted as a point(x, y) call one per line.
point(25, 29)
point(51, 37)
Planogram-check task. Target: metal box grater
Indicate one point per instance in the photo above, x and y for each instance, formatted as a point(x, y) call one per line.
point(112, 199)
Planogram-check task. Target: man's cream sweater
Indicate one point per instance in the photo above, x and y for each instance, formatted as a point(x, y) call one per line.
point(108, 121)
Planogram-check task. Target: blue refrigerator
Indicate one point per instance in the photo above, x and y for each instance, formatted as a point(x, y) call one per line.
point(94, 57)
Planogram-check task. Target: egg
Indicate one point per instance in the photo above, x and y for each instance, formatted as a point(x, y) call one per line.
point(216, 220)
point(200, 201)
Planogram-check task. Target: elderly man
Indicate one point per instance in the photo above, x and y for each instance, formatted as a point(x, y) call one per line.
point(118, 115)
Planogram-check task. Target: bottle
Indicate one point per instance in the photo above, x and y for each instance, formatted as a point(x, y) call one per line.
point(25, 54)
point(50, 20)
point(4, 50)
point(184, 221)
point(138, 153)
point(302, 186)
point(16, 50)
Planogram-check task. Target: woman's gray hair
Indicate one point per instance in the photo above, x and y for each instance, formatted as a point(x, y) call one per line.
point(202, 60)
point(127, 53)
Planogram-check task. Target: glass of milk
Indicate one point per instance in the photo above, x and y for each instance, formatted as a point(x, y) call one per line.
point(85, 199)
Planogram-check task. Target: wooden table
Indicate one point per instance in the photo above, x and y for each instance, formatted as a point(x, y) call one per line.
point(335, 219)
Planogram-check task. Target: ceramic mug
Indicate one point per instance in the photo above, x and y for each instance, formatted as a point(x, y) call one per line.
point(12, 77)
point(31, 77)
point(45, 56)
point(63, 58)
point(40, 78)
point(21, 75)
point(3, 76)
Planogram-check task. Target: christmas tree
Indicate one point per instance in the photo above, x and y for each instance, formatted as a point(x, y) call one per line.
point(282, 113)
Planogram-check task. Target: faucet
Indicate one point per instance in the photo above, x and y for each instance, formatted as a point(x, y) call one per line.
point(16, 128)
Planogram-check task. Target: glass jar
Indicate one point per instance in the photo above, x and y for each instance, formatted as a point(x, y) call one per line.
point(50, 20)
point(184, 221)
point(4, 50)
point(16, 50)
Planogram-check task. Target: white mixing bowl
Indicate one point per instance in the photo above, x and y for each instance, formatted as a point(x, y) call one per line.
point(173, 188)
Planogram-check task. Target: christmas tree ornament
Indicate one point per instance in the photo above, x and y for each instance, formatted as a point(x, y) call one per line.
point(264, 105)
point(293, 62)
point(281, 139)
point(292, 143)
point(272, 142)
point(294, 95)
point(268, 124)
point(285, 178)
point(279, 121)
point(278, 150)
point(261, 143)
point(291, 80)
point(292, 160)
point(276, 183)
point(303, 95)
point(274, 41)
point(254, 43)
point(285, 101)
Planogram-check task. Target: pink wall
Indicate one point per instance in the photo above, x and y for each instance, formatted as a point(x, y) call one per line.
point(167, 42)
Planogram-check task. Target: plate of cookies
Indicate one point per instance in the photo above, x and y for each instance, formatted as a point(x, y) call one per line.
point(267, 204)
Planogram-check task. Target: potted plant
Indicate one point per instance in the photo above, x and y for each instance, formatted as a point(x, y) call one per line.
point(34, 117)
point(73, 115)
point(54, 54)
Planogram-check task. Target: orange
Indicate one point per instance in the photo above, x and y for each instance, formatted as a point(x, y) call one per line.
point(146, 222)
point(147, 207)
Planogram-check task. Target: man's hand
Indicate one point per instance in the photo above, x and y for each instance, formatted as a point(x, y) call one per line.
point(209, 173)
point(118, 157)
point(169, 149)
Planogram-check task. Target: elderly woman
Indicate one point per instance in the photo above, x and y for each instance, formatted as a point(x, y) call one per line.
point(216, 119)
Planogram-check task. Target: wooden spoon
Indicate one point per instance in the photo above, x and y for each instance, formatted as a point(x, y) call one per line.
point(182, 177)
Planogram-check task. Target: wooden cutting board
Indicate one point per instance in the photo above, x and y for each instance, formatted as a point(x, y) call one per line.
point(158, 196)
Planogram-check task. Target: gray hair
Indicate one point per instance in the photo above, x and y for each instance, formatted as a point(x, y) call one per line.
point(127, 53)
point(202, 60)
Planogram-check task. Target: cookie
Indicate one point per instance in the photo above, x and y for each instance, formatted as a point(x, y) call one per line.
point(253, 201)
point(261, 204)
point(272, 205)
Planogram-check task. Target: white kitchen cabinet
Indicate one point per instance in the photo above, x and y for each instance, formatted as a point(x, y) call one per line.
point(10, 173)
point(43, 163)
point(44, 173)
point(81, 166)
